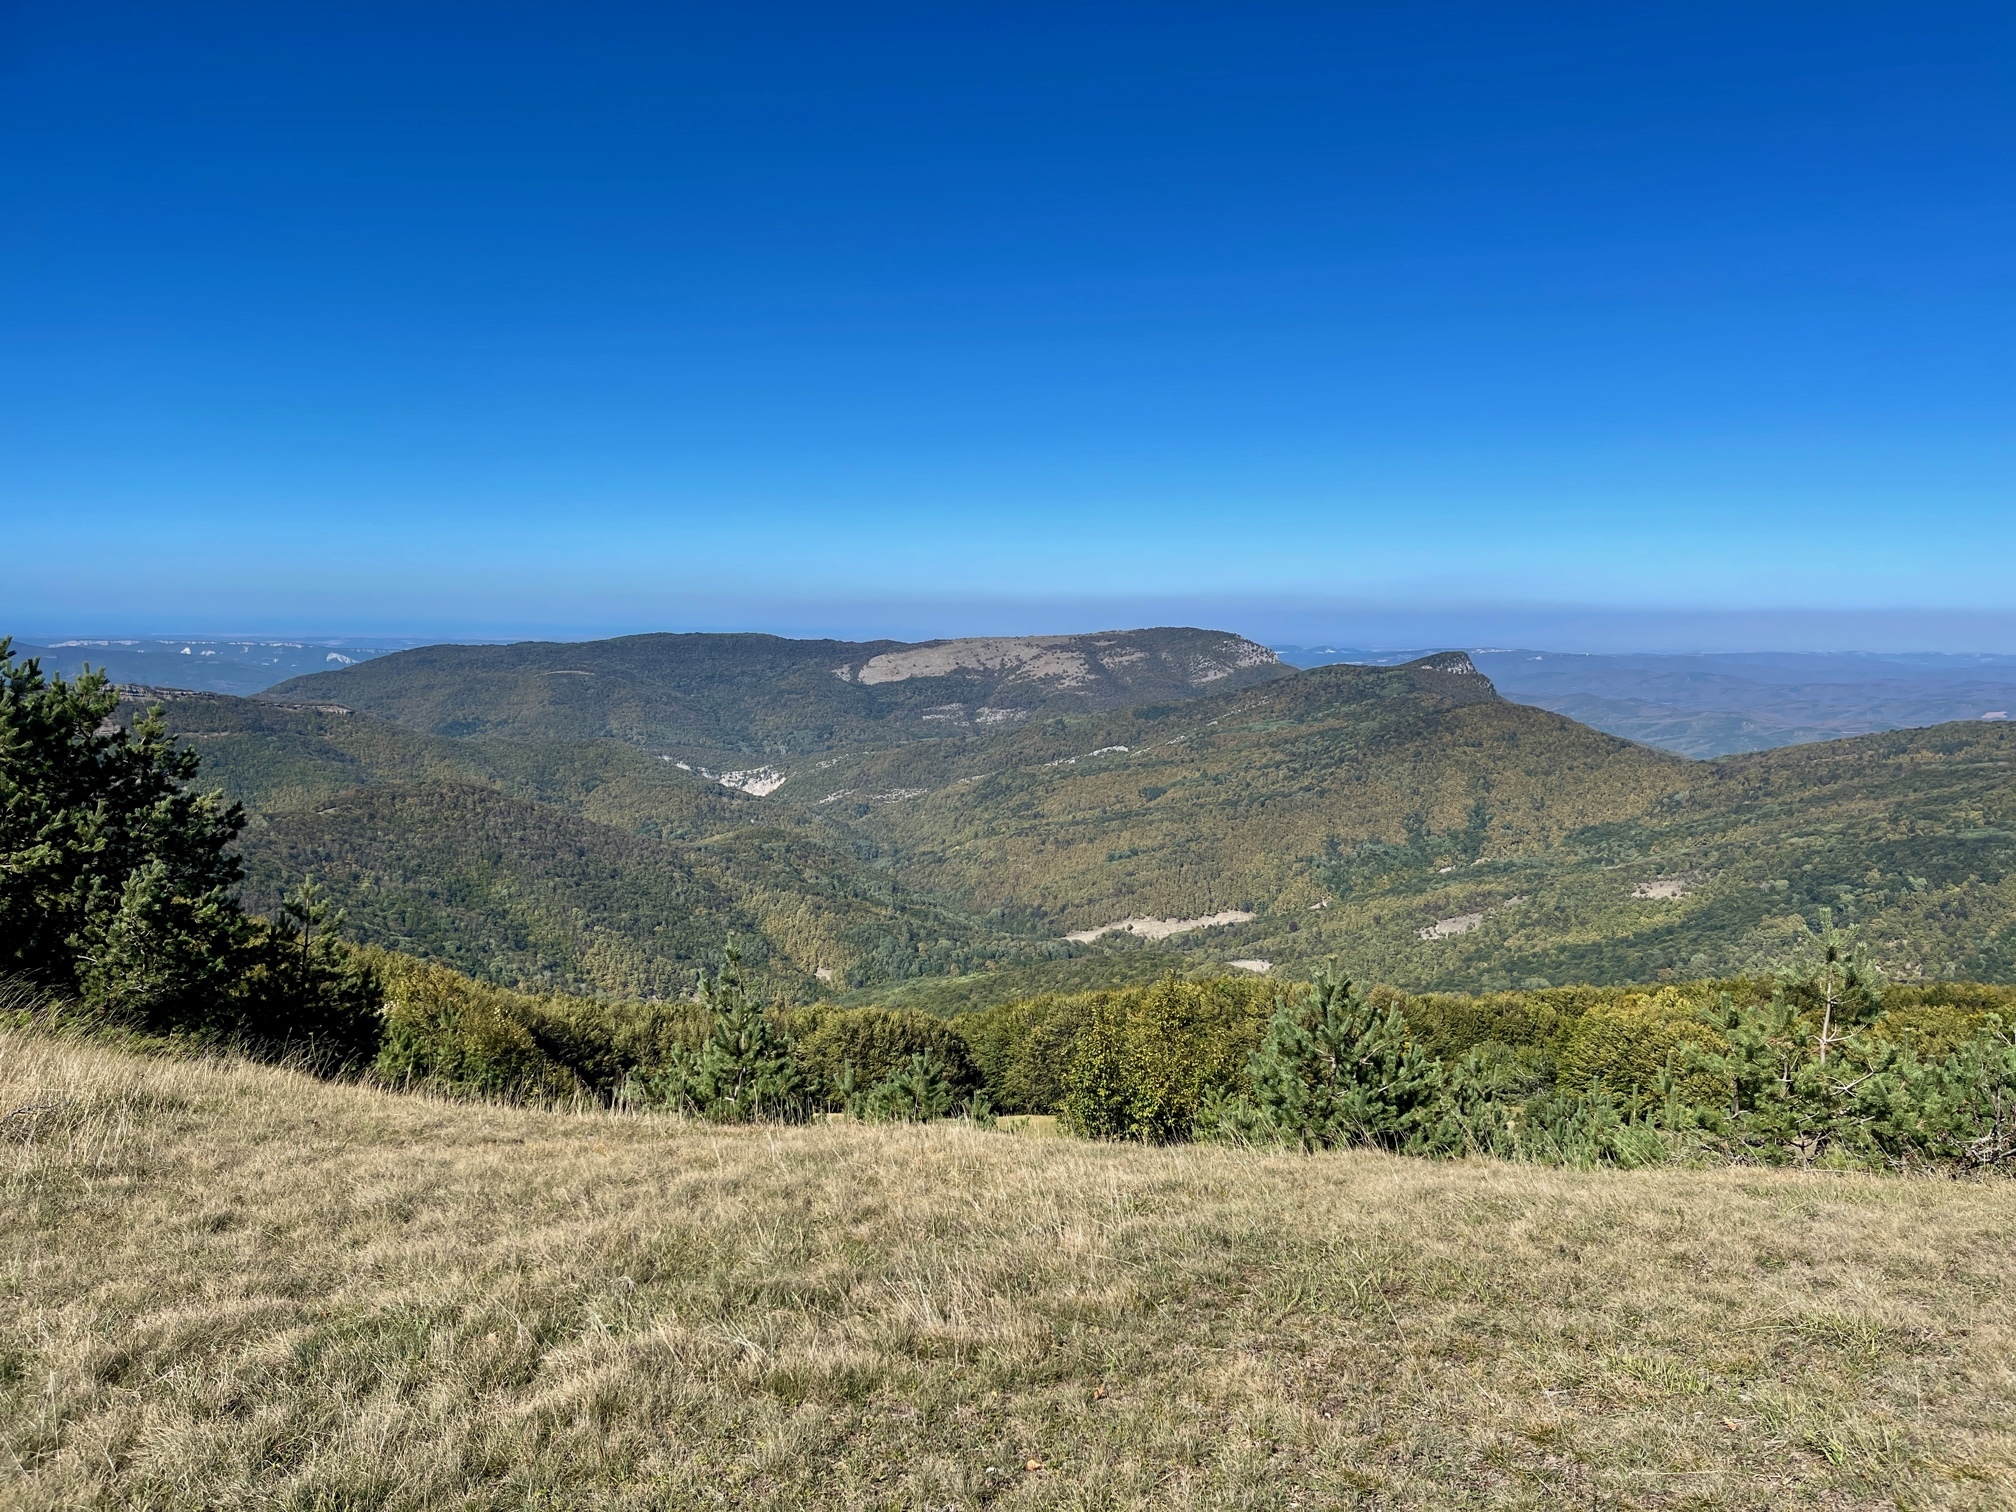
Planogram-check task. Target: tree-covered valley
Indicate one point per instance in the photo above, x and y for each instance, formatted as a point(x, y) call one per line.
point(883, 838)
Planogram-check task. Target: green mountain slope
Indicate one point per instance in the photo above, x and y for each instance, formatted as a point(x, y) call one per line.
point(1404, 819)
point(760, 696)
point(1220, 804)
point(531, 894)
point(279, 756)
point(586, 865)
point(1433, 835)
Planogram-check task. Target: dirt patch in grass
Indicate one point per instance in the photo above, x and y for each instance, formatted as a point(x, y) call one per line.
point(226, 1286)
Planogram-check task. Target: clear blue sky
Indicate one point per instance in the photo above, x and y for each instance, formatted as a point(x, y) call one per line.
point(1670, 322)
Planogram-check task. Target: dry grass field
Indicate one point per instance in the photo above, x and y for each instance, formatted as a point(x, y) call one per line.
point(226, 1286)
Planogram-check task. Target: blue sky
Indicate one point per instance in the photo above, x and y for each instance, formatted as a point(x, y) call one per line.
point(1599, 325)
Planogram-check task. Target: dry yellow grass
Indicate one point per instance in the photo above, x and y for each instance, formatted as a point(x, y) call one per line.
point(225, 1286)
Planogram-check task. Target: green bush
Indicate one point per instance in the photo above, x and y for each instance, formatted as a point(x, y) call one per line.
point(862, 1046)
point(1637, 1045)
point(1146, 1062)
point(1449, 1026)
point(1024, 1050)
point(607, 1044)
point(447, 1032)
point(1933, 1030)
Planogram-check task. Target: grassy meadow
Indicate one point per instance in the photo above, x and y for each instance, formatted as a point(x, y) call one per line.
point(225, 1285)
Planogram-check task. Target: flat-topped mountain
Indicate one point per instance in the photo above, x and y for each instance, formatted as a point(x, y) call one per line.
point(764, 695)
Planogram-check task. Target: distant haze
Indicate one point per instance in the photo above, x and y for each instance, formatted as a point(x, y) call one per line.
point(1274, 620)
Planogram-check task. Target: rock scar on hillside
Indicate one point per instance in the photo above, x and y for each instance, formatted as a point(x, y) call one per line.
point(1161, 929)
point(1443, 929)
point(757, 782)
point(1462, 924)
point(1051, 657)
point(1664, 887)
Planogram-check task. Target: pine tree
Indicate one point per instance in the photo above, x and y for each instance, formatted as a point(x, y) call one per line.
point(1335, 1070)
point(115, 879)
point(745, 1069)
point(1802, 1077)
point(304, 991)
point(915, 1092)
point(1834, 976)
point(118, 887)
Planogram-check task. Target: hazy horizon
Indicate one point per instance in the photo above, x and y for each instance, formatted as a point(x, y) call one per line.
point(1569, 631)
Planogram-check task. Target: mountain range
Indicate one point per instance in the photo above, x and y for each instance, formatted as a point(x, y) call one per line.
point(1700, 705)
point(950, 821)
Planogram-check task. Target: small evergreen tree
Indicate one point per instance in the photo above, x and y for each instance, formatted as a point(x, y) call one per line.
point(915, 1092)
point(1834, 977)
point(303, 991)
point(1335, 1070)
point(744, 1069)
point(115, 879)
point(1802, 1078)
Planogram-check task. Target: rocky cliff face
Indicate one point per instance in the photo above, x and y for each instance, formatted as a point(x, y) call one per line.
point(1096, 666)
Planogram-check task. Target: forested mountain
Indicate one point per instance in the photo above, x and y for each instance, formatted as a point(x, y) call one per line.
point(1405, 819)
point(761, 696)
point(584, 865)
point(1430, 833)
point(1720, 703)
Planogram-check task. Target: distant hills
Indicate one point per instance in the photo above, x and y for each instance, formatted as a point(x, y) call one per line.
point(1174, 798)
point(589, 866)
point(1698, 705)
point(1718, 704)
point(243, 667)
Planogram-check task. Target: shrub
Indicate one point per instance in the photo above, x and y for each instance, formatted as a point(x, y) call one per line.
point(1449, 1026)
point(1023, 1050)
point(607, 1044)
point(875, 1043)
point(1934, 1030)
point(1636, 1046)
point(446, 1031)
point(1146, 1062)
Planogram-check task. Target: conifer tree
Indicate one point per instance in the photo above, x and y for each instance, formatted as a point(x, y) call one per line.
point(118, 887)
point(745, 1069)
point(1335, 1070)
point(115, 878)
point(1835, 977)
point(915, 1092)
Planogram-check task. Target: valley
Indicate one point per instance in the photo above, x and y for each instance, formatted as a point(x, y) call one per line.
point(604, 833)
